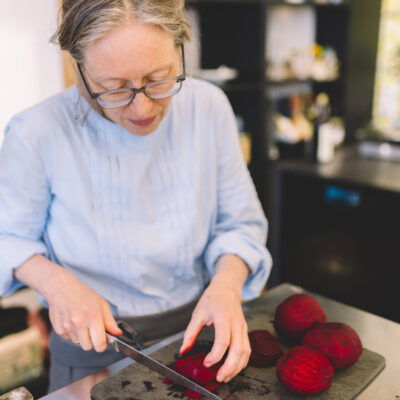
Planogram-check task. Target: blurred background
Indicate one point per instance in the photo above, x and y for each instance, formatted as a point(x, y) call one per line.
point(315, 88)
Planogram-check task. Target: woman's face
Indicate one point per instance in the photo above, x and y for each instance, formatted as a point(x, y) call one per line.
point(132, 56)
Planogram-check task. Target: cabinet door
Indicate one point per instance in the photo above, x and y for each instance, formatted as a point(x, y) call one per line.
point(341, 240)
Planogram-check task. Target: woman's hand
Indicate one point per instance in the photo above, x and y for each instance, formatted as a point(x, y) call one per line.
point(220, 305)
point(77, 313)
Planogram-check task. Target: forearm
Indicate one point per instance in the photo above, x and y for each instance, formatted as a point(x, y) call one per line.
point(231, 272)
point(41, 274)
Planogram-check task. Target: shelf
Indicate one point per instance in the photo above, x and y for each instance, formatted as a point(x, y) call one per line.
point(242, 2)
point(269, 3)
point(290, 82)
point(242, 86)
point(307, 3)
point(276, 90)
point(281, 86)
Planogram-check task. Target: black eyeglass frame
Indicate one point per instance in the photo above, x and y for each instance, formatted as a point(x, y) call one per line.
point(95, 95)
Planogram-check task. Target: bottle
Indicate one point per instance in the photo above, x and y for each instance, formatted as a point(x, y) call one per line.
point(319, 113)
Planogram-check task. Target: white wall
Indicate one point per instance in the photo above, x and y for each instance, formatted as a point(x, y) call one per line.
point(30, 67)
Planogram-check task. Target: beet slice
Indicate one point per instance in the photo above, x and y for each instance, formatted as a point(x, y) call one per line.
point(305, 370)
point(265, 349)
point(296, 315)
point(339, 342)
point(192, 367)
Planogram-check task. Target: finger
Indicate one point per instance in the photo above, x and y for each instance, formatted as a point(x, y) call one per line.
point(192, 332)
point(73, 338)
point(238, 352)
point(98, 335)
point(84, 339)
point(241, 365)
point(221, 342)
point(110, 324)
point(56, 323)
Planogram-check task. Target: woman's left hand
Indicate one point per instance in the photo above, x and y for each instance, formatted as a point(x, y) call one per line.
point(220, 305)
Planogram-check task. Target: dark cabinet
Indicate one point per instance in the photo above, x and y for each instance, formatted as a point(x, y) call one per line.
point(233, 33)
point(338, 235)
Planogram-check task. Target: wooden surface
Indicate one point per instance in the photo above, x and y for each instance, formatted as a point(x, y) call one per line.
point(136, 382)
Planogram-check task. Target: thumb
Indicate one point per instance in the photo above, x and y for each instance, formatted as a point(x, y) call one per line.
point(109, 322)
point(192, 332)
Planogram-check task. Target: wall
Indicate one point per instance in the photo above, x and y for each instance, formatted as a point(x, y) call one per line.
point(387, 87)
point(30, 67)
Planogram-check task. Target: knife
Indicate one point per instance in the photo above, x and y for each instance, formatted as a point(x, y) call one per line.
point(131, 351)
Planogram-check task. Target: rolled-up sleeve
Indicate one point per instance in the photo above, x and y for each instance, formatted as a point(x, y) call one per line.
point(24, 202)
point(241, 226)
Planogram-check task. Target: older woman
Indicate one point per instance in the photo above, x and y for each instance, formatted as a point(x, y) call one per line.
point(127, 196)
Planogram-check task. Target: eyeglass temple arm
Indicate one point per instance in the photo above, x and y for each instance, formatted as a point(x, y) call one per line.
point(183, 60)
point(91, 94)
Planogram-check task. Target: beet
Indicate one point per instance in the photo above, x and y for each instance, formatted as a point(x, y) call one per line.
point(339, 342)
point(192, 367)
point(305, 370)
point(265, 349)
point(295, 315)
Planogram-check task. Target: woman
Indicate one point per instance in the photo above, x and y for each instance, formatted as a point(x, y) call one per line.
point(127, 196)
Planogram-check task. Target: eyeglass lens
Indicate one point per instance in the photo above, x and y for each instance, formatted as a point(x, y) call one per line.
point(157, 90)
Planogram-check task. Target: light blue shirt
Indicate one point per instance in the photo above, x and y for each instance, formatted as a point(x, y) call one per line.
point(141, 220)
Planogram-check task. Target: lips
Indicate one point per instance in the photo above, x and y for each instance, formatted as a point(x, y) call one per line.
point(143, 122)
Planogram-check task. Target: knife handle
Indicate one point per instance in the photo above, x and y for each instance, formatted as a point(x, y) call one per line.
point(130, 335)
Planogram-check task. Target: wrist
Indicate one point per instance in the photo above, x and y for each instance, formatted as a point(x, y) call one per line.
point(231, 273)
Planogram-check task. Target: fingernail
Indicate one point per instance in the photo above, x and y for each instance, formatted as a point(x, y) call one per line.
point(220, 378)
point(207, 364)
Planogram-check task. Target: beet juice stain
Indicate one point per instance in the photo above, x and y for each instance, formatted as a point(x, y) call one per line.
point(149, 385)
point(124, 384)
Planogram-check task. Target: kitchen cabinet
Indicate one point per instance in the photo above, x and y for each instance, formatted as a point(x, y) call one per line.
point(335, 230)
point(235, 33)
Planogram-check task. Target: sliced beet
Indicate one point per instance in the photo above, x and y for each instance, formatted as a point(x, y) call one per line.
point(305, 370)
point(192, 367)
point(265, 349)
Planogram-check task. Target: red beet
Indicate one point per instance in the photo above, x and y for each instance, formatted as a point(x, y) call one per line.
point(304, 370)
point(295, 315)
point(339, 342)
point(192, 367)
point(265, 349)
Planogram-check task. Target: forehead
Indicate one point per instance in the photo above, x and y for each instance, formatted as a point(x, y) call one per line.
point(131, 50)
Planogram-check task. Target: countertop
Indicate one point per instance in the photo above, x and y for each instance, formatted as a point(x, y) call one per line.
point(377, 334)
point(349, 166)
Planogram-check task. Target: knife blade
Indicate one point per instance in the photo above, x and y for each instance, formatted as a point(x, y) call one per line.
point(130, 351)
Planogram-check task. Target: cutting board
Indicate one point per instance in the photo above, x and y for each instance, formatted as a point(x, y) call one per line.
point(137, 382)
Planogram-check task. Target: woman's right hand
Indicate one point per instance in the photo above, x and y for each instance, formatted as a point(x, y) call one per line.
point(77, 313)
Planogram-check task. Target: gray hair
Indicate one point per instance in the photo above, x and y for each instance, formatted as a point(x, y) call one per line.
point(84, 21)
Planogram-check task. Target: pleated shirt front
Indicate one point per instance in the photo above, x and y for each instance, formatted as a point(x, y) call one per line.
point(141, 220)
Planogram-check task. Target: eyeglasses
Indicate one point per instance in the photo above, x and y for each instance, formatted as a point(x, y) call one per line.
point(122, 97)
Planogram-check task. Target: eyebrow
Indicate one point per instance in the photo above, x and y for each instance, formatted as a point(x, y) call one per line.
point(110, 80)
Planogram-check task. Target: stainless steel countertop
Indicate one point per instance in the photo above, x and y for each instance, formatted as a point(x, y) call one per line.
point(377, 334)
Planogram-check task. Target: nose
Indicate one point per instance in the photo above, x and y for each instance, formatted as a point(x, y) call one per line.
point(141, 106)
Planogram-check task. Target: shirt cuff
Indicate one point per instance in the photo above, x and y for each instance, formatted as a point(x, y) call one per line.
point(13, 253)
point(255, 256)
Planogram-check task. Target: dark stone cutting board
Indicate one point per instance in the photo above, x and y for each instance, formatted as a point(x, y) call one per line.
point(137, 382)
